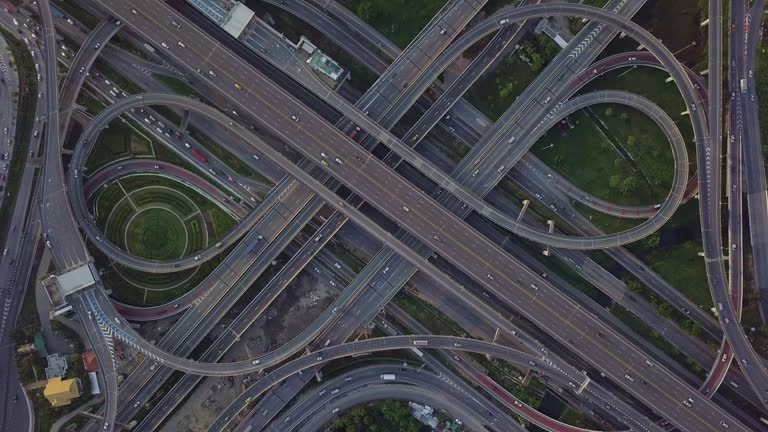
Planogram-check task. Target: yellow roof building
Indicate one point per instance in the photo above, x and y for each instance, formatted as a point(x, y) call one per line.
point(61, 392)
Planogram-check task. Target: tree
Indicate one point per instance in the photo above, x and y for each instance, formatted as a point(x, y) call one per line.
point(629, 184)
point(365, 10)
point(615, 182)
point(652, 241)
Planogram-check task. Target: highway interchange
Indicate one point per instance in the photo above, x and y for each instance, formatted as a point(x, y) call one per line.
point(425, 227)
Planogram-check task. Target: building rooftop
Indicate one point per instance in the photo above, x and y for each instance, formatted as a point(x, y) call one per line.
point(325, 65)
point(57, 366)
point(61, 392)
point(89, 361)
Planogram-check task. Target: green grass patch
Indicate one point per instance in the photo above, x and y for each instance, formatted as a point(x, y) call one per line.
point(650, 83)
point(92, 105)
point(388, 17)
point(682, 267)
point(225, 156)
point(106, 199)
point(430, 316)
point(155, 195)
point(570, 151)
point(157, 233)
point(178, 86)
point(118, 141)
point(222, 221)
point(80, 14)
point(576, 418)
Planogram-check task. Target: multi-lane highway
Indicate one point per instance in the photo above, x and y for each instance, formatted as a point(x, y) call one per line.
point(423, 222)
point(540, 307)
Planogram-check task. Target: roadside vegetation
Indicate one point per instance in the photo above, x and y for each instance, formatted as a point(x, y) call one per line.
point(389, 17)
point(25, 119)
point(384, 416)
point(169, 220)
point(495, 92)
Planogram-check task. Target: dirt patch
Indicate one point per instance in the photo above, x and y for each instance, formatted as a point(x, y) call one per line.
point(297, 307)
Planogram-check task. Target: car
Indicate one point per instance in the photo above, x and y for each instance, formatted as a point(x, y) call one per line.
point(36, 133)
point(5, 131)
point(238, 86)
point(211, 73)
point(118, 22)
point(724, 424)
point(175, 24)
point(82, 69)
point(632, 58)
point(186, 144)
point(517, 403)
point(733, 246)
point(339, 161)
point(181, 44)
point(442, 31)
point(504, 21)
point(501, 168)
point(197, 258)
point(257, 361)
point(164, 45)
point(406, 209)
point(97, 46)
point(335, 410)
point(294, 118)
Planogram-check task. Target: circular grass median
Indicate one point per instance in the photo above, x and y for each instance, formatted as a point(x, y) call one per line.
point(156, 233)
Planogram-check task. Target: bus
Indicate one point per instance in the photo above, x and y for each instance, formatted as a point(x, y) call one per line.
point(388, 377)
point(743, 84)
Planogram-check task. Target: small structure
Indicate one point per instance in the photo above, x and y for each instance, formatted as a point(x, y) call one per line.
point(325, 65)
point(59, 287)
point(423, 413)
point(57, 366)
point(230, 15)
point(61, 392)
point(94, 380)
point(89, 361)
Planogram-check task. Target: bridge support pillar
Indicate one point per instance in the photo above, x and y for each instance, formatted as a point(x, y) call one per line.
point(551, 224)
point(319, 376)
point(640, 48)
point(496, 335)
point(583, 385)
point(670, 79)
point(526, 203)
point(705, 72)
point(527, 377)
point(184, 121)
point(685, 113)
point(621, 35)
point(705, 22)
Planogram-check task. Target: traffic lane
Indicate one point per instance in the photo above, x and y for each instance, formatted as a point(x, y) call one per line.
point(121, 169)
point(432, 395)
point(374, 173)
point(245, 319)
point(209, 309)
